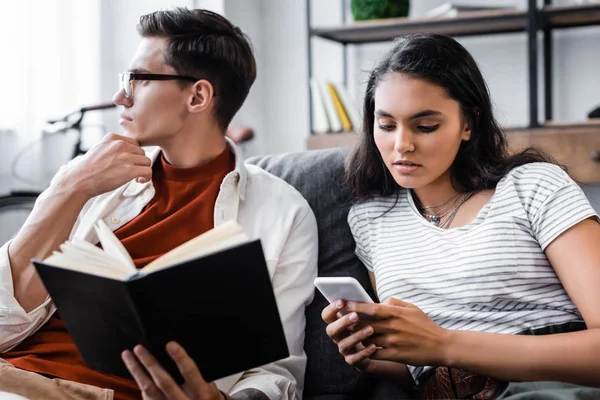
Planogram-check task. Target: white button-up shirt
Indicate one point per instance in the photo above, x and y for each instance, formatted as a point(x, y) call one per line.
point(267, 208)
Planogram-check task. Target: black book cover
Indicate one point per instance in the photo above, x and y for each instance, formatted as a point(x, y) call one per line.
point(221, 308)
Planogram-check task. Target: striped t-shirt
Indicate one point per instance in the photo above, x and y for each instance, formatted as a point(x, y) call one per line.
point(491, 275)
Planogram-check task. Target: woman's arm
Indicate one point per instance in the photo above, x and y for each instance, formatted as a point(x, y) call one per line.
point(407, 335)
point(572, 357)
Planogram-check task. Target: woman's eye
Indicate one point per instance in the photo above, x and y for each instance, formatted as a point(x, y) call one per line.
point(427, 128)
point(387, 128)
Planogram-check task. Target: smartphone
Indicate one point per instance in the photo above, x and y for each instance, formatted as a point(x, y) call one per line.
point(344, 288)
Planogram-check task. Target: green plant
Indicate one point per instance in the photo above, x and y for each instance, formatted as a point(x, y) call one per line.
point(377, 9)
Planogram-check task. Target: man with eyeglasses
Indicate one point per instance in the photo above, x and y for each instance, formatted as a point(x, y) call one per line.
point(191, 73)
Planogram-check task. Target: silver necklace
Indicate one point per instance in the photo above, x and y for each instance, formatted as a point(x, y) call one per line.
point(443, 218)
point(437, 205)
point(446, 223)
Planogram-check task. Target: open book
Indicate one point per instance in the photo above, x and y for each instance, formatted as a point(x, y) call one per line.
point(212, 294)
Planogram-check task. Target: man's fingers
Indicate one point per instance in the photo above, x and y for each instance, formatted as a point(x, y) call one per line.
point(125, 148)
point(123, 144)
point(137, 171)
point(135, 149)
point(187, 367)
point(140, 160)
point(141, 377)
point(115, 136)
point(161, 378)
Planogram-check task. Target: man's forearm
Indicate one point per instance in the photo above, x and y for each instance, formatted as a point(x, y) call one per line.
point(48, 226)
point(569, 357)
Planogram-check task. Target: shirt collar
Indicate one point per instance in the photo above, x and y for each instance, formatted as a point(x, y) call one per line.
point(134, 188)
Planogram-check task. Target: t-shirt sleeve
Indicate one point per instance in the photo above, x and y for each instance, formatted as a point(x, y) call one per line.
point(560, 205)
point(360, 231)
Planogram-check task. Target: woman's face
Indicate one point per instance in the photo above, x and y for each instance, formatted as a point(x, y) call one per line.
point(418, 129)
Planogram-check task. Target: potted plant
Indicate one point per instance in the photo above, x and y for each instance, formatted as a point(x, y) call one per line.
point(378, 9)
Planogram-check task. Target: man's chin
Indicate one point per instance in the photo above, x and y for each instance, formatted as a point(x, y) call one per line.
point(137, 137)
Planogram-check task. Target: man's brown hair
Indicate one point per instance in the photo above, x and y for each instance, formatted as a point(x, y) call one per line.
point(205, 45)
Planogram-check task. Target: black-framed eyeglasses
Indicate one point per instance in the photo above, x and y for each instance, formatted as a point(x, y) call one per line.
point(126, 85)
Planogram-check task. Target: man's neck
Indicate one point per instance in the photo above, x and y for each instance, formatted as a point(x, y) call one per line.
point(195, 148)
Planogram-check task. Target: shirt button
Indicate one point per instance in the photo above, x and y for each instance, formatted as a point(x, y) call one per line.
point(115, 220)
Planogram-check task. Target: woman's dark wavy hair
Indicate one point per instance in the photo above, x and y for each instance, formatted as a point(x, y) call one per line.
point(480, 162)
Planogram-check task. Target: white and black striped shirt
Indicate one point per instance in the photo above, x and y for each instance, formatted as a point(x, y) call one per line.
point(491, 275)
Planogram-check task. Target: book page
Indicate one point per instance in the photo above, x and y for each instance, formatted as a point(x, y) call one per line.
point(89, 251)
point(226, 235)
point(113, 261)
point(75, 263)
point(113, 246)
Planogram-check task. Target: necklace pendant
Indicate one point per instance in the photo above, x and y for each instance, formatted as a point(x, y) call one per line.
point(435, 220)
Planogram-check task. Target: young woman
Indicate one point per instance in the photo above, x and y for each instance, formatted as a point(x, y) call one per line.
point(487, 265)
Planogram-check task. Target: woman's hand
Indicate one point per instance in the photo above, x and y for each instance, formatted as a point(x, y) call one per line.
point(156, 384)
point(348, 334)
point(403, 333)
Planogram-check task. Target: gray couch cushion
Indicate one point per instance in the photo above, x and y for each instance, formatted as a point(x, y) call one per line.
point(319, 175)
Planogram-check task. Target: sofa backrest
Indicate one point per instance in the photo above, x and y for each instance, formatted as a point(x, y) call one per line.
point(319, 176)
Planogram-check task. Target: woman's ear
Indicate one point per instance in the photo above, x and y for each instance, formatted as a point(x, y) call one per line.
point(467, 129)
point(201, 97)
point(469, 122)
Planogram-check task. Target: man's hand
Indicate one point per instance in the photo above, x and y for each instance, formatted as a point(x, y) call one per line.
point(156, 384)
point(110, 164)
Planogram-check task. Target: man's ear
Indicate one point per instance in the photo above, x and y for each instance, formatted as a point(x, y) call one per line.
point(201, 97)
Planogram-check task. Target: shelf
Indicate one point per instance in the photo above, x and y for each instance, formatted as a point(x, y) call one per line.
point(472, 23)
point(569, 16)
point(576, 145)
point(468, 23)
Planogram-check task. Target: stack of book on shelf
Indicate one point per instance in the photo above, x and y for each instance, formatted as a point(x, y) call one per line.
point(333, 109)
point(451, 10)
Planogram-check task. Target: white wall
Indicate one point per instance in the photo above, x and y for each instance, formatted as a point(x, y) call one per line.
point(283, 68)
point(248, 16)
point(119, 39)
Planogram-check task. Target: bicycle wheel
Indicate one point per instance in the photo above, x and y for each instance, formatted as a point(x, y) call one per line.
point(14, 210)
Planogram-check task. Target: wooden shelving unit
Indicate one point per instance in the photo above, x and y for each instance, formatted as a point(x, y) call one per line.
point(474, 23)
point(467, 24)
point(570, 16)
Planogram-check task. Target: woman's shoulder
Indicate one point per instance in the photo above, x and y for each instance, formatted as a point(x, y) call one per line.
point(376, 205)
point(533, 184)
point(548, 175)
